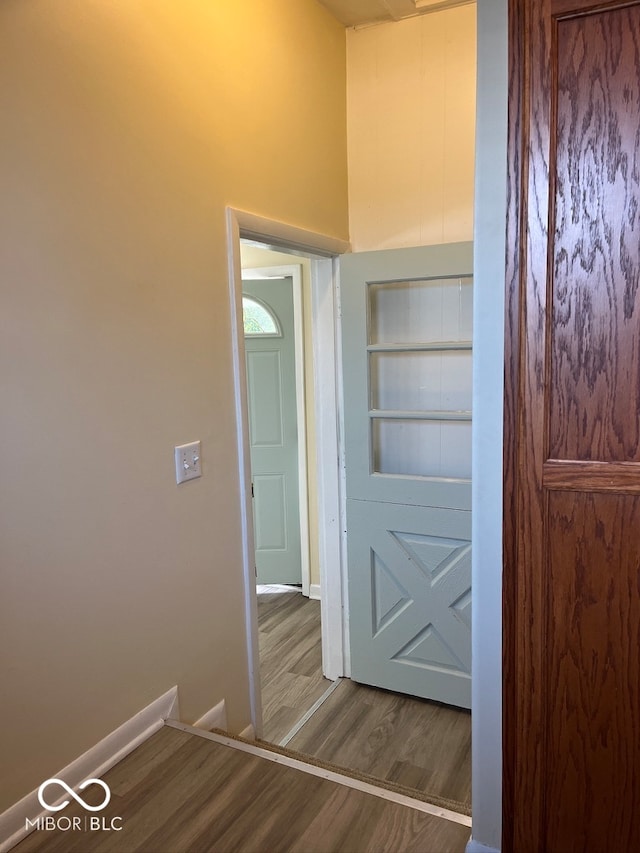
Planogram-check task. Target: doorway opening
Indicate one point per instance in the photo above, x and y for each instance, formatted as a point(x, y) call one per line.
point(309, 668)
point(280, 403)
point(278, 337)
point(318, 253)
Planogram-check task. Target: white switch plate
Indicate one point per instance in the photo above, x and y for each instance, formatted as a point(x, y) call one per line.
point(188, 465)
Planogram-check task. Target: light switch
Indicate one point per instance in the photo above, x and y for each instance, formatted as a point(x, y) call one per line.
point(188, 465)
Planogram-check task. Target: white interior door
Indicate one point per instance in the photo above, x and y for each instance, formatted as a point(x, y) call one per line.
point(271, 393)
point(406, 320)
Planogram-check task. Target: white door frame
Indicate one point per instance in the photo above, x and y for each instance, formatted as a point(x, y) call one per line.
point(323, 250)
point(294, 272)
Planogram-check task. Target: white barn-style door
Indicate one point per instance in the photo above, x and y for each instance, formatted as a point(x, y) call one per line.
point(407, 330)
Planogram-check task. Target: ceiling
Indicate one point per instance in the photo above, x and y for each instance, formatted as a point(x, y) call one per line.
point(358, 13)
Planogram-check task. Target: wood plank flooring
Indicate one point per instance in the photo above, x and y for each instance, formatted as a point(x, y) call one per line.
point(180, 793)
point(290, 660)
point(411, 742)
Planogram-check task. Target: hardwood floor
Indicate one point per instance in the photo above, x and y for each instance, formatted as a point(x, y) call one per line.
point(290, 660)
point(181, 793)
point(411, 742)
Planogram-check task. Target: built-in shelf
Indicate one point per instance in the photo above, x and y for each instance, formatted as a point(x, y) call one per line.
point(398, 414)
point(433, 346)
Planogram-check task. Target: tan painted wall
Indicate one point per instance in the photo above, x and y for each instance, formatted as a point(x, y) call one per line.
point(411, 120)
point(254, 257)
point(127, 127)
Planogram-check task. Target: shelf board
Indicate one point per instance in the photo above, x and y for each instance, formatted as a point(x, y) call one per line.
point(433, 346)
point(409, 415)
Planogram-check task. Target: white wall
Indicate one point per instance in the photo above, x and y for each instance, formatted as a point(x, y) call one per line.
point(489, 271)
point(410, 129)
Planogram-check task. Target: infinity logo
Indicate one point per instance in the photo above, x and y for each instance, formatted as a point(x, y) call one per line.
point(78, 799)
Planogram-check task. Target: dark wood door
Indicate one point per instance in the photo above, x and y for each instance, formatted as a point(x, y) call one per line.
point(572, 430)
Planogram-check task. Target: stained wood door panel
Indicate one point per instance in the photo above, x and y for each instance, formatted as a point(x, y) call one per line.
point(595, 231)
point(592, 476)
point(592, 673)
point(572, 430)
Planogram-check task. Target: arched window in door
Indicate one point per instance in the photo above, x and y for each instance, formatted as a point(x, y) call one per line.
point(258, 320)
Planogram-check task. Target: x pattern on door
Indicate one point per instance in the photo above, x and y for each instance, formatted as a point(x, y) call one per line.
point(444, 601)
point(414, 616)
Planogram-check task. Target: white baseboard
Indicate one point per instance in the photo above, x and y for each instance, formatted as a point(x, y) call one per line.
point(93, 763)
point(314, 591)
point(476, 847)
point(215, 718)
point(249, 733)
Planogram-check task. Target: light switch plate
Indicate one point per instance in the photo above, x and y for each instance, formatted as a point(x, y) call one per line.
point(188, 465)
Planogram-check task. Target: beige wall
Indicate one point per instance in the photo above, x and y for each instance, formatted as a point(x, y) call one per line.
point(127, 127)
point(254, 257)
point(411, 118)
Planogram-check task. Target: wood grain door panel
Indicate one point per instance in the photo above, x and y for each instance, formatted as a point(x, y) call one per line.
point(594, 400)
point(592, 686)
point(572, 430)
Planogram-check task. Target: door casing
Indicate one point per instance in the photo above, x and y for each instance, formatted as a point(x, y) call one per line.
point(323, 251)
